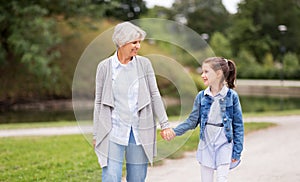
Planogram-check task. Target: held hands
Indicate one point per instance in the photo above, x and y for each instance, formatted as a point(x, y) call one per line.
point(234, 160)
point(94, 143)
point(167, 134)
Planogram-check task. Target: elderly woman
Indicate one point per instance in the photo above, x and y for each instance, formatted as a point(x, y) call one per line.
point(127, 103)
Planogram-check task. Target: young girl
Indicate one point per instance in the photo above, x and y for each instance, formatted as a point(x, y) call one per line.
point(218, 111)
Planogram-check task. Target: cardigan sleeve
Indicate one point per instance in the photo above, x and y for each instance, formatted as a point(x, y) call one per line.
point(157, 103)
point(99, 84)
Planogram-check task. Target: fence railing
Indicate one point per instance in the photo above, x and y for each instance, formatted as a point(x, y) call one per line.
point(285, 88)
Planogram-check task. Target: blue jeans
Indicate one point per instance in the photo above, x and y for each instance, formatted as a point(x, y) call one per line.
point(136, 162)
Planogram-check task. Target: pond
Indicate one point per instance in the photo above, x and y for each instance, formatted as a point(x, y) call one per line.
point(263, 103)
point(257, 104)
point(24, 116)
point(249, 104)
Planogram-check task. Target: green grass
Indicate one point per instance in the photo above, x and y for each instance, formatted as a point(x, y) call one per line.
point(37, 125)
point(71, 158)
point(55, 158)
point(254, 126)
point(273, 113)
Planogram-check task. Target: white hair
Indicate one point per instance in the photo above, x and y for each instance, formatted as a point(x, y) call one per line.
point(127, 32)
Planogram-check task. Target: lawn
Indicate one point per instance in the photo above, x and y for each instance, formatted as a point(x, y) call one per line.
point(71, 157)
point(55, 158)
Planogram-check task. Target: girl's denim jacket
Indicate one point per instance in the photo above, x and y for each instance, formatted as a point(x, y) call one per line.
point(231, 114)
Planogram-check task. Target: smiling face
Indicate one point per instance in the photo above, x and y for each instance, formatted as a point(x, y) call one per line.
point(210, 77)
point(131, 48)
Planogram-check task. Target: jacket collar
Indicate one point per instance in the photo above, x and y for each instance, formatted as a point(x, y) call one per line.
point(222, 93)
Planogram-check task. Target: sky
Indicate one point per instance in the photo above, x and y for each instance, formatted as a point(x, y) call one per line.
point(230, 5)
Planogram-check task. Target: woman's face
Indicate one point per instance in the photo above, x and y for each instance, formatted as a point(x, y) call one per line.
point(131, 48)
point(209, 76)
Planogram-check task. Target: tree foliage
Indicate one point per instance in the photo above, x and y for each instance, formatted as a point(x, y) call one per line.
point(26, 36)
point(220, 45)
point(29, 32)
point(28, 28)
point(32, 37)
point(125, 9)
point(255, 26)
point(203, 16)
point(251, 34)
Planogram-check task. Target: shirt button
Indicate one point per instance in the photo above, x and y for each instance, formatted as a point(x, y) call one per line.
point(225, 119)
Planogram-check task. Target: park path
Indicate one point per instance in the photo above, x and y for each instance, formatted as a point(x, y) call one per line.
point(269, 155)
point(67, 130)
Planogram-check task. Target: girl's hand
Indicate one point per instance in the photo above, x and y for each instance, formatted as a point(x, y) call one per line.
point(234, 160)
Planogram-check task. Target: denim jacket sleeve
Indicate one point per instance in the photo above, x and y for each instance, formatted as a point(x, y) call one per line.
point(238, 128)
point(192, 121)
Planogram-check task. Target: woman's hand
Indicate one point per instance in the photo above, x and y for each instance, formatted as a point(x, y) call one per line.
point(167, 134)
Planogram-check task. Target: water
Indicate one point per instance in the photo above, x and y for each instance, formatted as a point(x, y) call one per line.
point(257, 104)
point(24, 116)
point(263, 103)
point(249, 104)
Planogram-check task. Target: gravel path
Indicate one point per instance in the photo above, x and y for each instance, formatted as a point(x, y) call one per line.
point(269, 155)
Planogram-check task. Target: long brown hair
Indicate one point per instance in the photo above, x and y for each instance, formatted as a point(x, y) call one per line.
point(227, 66)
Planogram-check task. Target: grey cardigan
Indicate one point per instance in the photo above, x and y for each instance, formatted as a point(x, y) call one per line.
point(150, 107)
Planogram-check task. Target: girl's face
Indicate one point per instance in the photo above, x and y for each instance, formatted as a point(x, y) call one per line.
point(131, 48)
point(210, 77)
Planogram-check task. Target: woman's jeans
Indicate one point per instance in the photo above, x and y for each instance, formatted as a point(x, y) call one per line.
point(136, 162)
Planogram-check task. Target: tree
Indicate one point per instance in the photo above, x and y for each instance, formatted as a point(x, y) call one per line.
point(255, 26)
point(27, 36)
point(203, 15)
point(29, 33)
point(268, 61)
point(246, 64)
point(220, 45)
point(291, 65)
point(159, 12)
point(244, 34)
point(125, 9)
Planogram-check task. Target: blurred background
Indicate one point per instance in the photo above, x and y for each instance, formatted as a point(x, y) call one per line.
point(42, 41)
